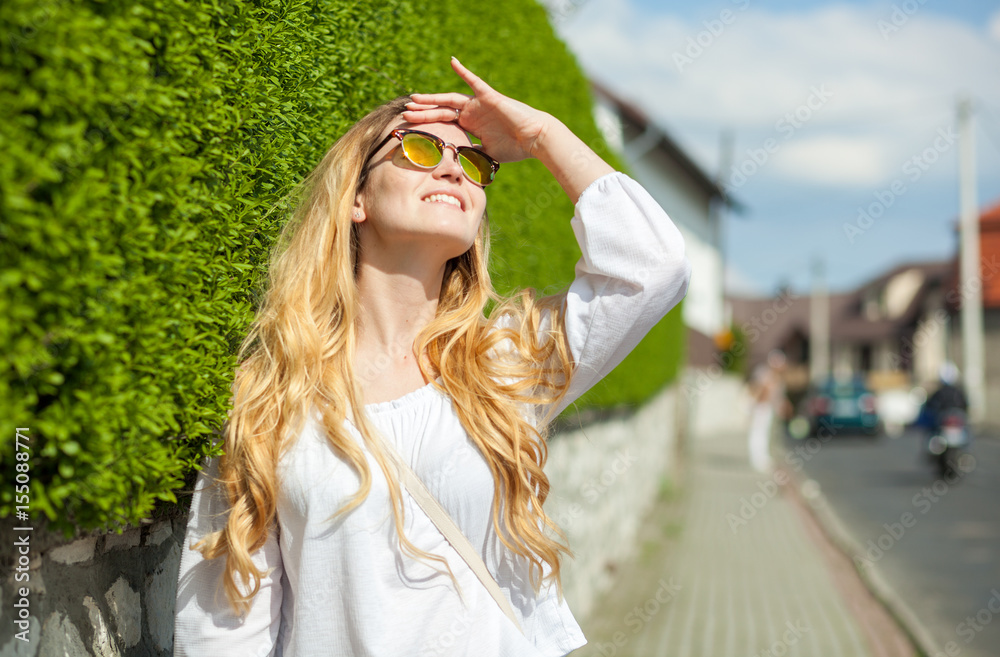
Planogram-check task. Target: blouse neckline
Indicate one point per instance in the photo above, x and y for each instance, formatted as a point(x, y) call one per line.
point(411, 398)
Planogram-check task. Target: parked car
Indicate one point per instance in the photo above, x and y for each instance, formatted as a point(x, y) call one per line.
point(842, 406)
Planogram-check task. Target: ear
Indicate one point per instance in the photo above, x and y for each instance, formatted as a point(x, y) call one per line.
point(358, 211)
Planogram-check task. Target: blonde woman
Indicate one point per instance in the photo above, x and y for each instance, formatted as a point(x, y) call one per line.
point(301, 541)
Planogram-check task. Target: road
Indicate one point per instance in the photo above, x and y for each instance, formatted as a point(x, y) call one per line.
point(938, 544)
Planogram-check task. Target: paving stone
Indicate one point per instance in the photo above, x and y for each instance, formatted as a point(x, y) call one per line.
point(60, 638)
point(161, 590)
point(76, 552)
point(17, 648)
point(129, 538)
point(159, 532)
point(103, 644)
point(126, 612)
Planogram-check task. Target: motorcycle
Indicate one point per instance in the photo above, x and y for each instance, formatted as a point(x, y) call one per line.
point(949, 442)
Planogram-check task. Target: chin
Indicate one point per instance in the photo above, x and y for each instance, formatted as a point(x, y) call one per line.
point(460, 249)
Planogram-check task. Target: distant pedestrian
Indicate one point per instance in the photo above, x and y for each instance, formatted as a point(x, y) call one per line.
point(767, 386)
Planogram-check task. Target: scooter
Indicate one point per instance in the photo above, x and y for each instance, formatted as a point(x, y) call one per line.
point(948, 445)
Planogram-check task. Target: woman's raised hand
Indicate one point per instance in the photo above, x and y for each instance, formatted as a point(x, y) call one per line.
point(512, 131)
point(509, 129)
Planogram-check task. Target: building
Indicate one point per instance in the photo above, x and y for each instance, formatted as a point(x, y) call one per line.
point(894, 330)
point(692, 199)
point(989, 272)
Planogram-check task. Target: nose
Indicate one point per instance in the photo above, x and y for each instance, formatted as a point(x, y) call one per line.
point(450, 167)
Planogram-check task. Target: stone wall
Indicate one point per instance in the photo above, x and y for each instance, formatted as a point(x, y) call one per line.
point(605, 477)
point(102, 595)
point(109, 595)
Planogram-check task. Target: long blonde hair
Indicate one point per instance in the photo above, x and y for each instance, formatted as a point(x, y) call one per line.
point(298, 353)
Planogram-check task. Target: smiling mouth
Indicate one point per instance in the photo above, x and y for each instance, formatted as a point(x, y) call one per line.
point(444, 198)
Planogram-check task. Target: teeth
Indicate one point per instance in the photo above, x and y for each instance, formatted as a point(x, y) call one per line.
point(443, 198)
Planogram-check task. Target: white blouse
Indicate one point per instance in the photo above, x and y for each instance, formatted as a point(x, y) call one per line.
point(344, 588)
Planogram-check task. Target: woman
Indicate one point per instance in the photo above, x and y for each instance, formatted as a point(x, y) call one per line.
point(373, 329)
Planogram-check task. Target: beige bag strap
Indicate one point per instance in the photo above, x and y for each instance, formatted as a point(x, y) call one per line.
point(444, 522)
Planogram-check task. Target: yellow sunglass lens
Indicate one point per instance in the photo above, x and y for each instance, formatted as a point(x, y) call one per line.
point(426, 152)
point(421, 150)
point(475, 167)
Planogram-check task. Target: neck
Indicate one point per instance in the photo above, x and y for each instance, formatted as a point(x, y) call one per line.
point(395, 305)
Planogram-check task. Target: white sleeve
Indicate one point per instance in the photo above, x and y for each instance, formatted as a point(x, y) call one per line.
point(204, 624)
point(632, 272)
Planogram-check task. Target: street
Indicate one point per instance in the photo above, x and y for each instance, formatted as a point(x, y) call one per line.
point(937, 543)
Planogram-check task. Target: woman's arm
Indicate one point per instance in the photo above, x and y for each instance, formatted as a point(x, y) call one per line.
point(511, 130)
point(631, 272)
point(574, 164)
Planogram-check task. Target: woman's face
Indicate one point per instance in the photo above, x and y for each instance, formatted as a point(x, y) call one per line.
point(406, 211)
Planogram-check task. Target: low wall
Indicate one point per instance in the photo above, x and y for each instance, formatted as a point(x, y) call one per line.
point(109, 595)
point(605, 477)
point(102, 595)
point(717, 401)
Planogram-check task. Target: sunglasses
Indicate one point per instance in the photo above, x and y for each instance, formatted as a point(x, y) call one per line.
point(426, 151)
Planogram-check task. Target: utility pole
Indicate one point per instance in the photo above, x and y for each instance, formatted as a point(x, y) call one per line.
point(819, 325)
point(720, 206)
point(973, 354)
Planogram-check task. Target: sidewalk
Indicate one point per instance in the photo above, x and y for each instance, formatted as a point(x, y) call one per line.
point(736, 566)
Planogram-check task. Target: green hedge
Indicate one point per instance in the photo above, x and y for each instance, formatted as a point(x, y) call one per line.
point(143, 143)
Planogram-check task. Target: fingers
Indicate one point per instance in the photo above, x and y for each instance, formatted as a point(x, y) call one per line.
point(435, 115)
point(436, 100)
point(470, 78)
point(456, 100)
point(434, 108)
point(429, 108)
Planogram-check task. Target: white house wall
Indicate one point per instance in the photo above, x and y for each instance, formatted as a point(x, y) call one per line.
point(688, 208)
point(930, 346)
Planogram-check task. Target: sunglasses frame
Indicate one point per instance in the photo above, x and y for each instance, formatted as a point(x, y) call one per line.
point(442, 145)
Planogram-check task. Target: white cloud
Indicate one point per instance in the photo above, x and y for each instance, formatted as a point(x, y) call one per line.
point(886, 88)
point(739, 284)
point(994, 25)
point(832, 160)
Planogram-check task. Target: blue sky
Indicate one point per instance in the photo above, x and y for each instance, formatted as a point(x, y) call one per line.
point(857, 99)
point(971, 11)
